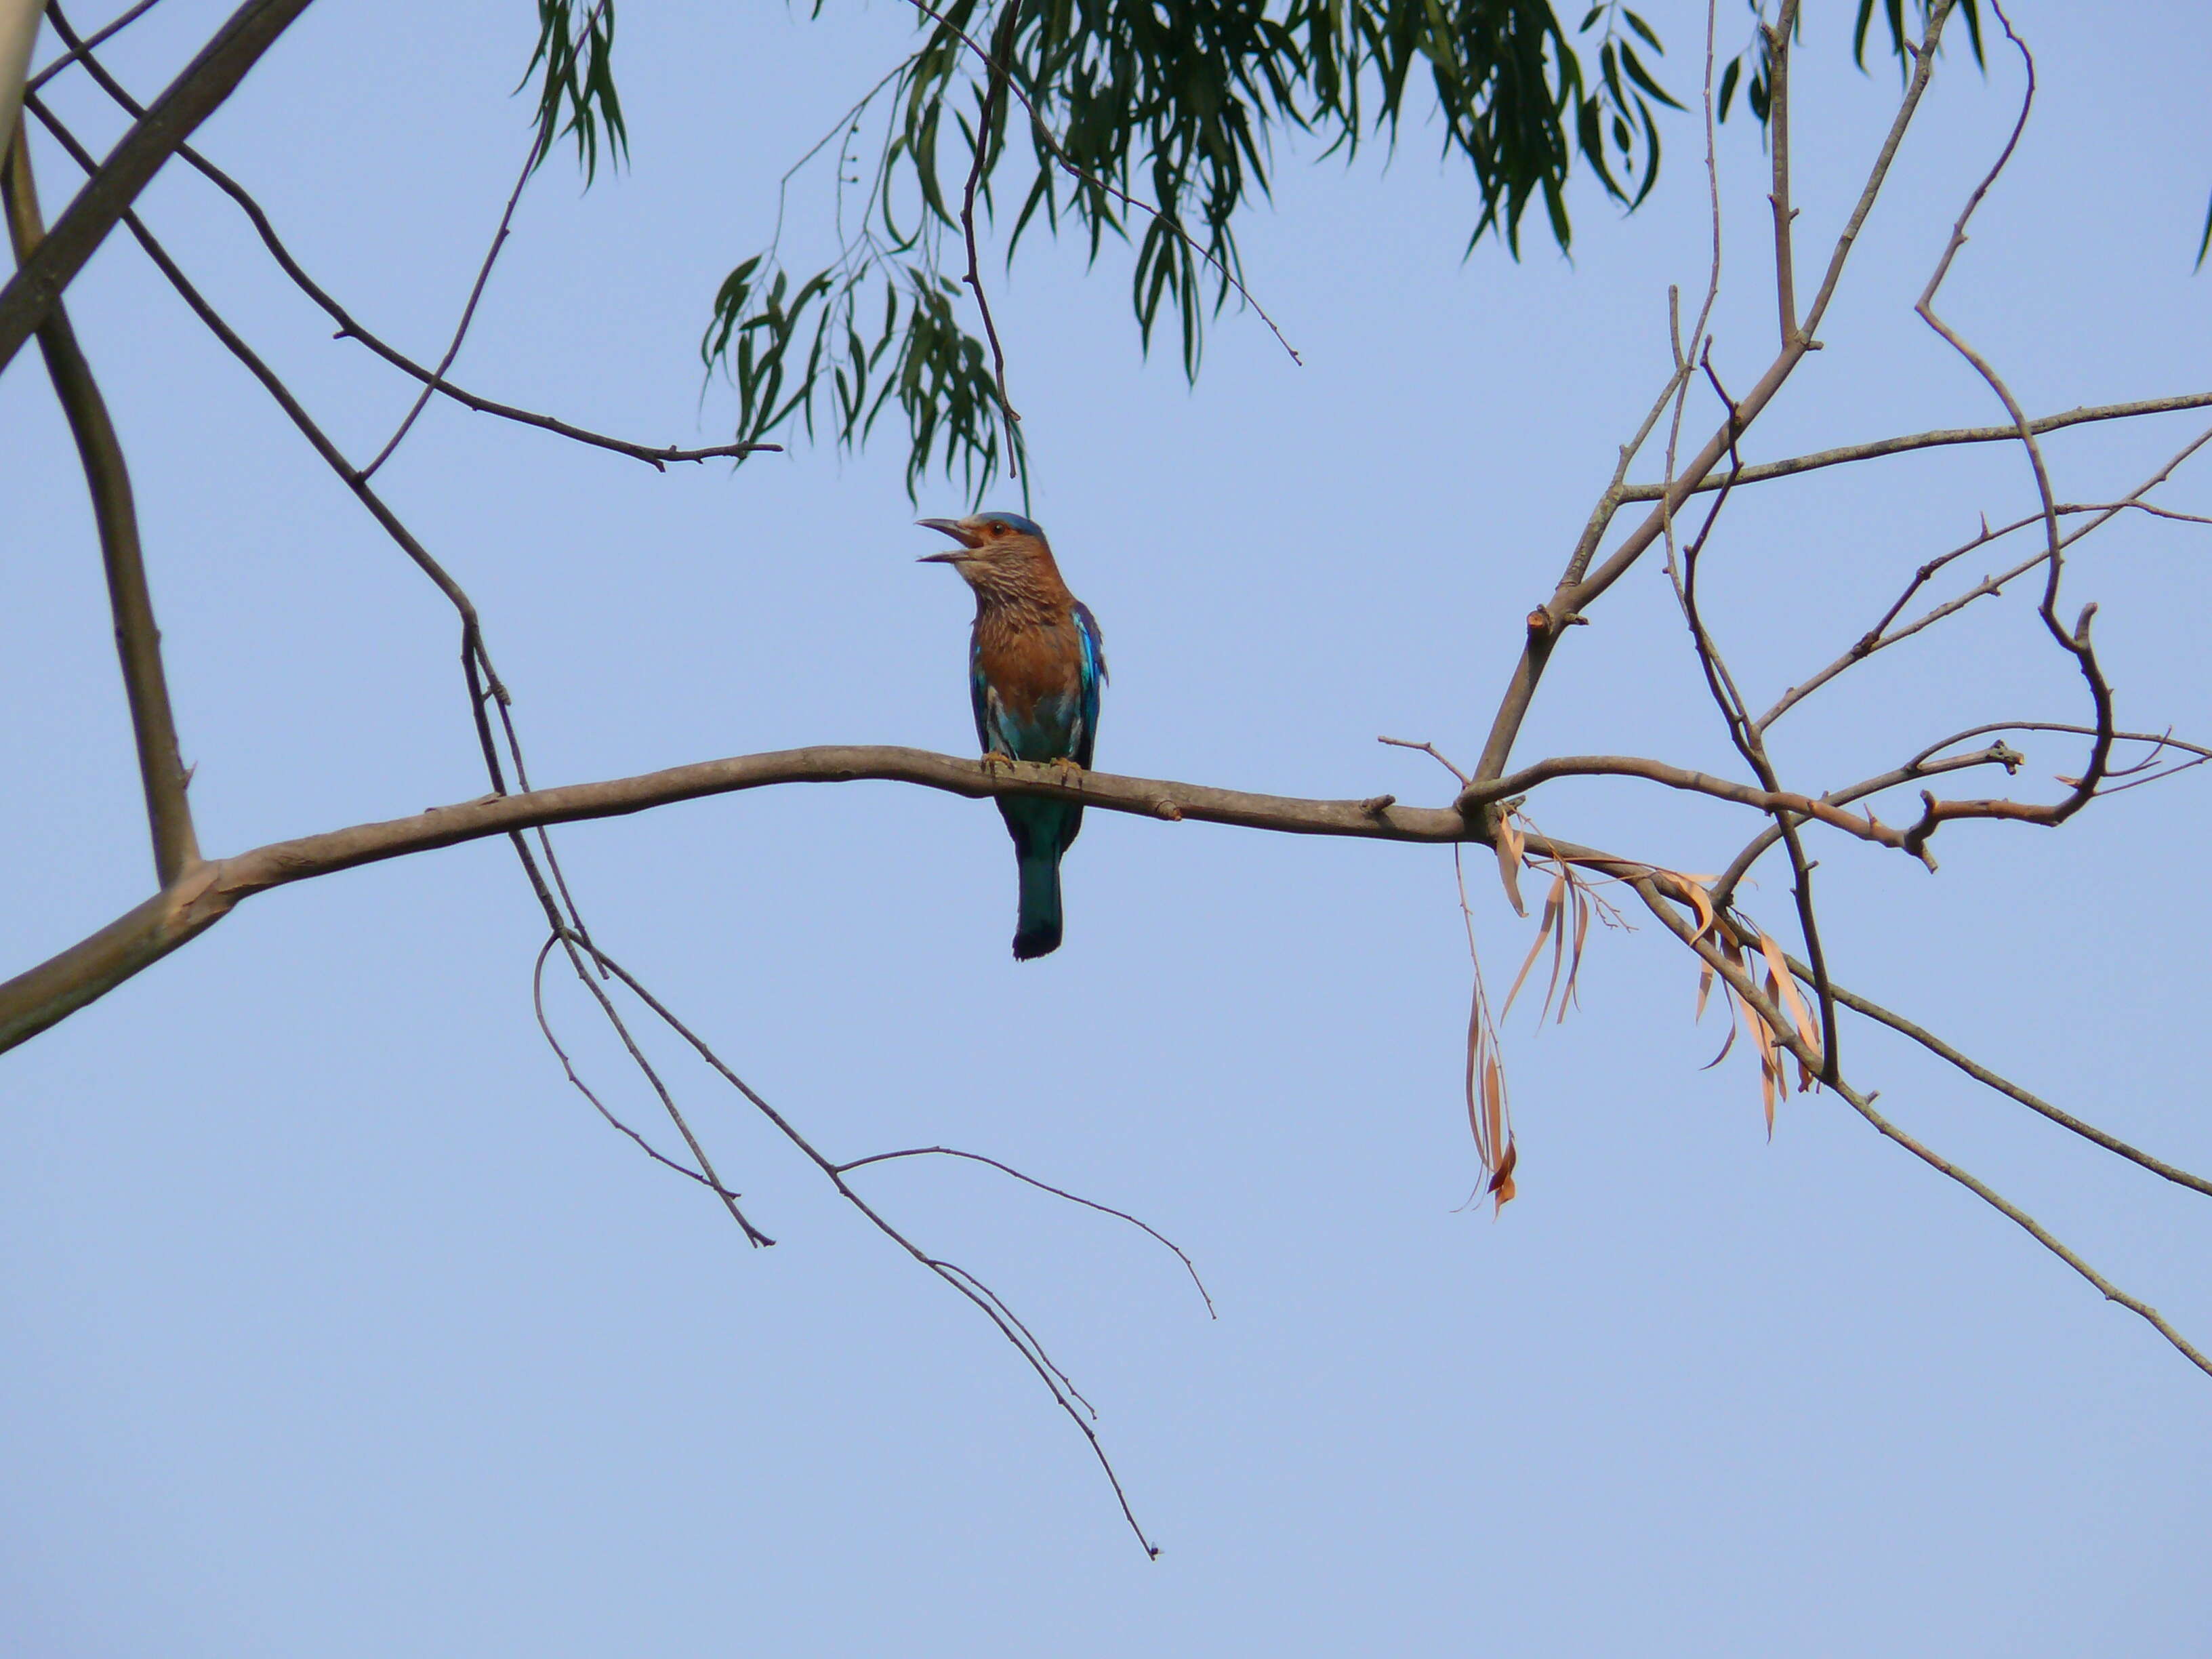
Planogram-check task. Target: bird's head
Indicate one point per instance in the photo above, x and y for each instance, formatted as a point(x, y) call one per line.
point(998, 551)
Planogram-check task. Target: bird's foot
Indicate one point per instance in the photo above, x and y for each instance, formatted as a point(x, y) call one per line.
point(993, 760)
point(1069, 768)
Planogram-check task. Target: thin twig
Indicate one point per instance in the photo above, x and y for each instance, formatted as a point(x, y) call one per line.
point(468, 313)
point(2012, 1090)
point(483, 275)
point(1876, 639)
point(546, 1025)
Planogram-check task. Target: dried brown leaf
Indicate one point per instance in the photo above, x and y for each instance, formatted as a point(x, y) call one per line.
point(1778, 969)
point(1501, 1184)
point(1543, 928)
point(1511, 844)
point(1582, 908)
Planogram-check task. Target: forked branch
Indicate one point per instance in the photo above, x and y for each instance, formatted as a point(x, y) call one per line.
point(195, 95)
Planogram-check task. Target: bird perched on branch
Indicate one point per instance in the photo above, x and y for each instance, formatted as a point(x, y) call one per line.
point(1034, 664)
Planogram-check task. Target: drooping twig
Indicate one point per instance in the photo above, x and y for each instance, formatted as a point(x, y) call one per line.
point(994, 1308)
point(1742, 984)
point(851, 1164)
point(705, 1174)
point(137, 639)
point(546, 1025)
point(2012, 1090)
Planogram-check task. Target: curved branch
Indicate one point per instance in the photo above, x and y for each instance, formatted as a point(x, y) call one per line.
point(190, 99)
point(86, 971)
point(1866, 826)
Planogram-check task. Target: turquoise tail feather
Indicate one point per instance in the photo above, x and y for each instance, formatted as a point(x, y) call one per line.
point(1036, 926)
point(1042, 831)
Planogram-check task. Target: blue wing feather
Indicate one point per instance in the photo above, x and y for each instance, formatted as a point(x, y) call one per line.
point(979, 696)
point(1093, 676)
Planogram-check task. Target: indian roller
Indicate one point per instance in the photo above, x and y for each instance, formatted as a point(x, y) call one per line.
point(1034, 664)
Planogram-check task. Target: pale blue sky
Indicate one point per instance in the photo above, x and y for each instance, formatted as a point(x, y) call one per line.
point(338, 1325)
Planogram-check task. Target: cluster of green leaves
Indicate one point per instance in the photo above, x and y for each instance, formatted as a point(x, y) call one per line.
point(916, 355)
point(1149, 122)
point(576, 45)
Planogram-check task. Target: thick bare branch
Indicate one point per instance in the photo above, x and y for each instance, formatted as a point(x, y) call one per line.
point(195, 95)
point(137, 639)
point(1778, 36)
point(34, 1000)
point(100, 36)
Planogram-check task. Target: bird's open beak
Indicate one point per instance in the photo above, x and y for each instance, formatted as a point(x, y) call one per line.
point(951, 527)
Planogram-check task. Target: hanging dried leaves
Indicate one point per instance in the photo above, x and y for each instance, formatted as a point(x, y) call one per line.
point(1488, 1115)
point(1770, 1042)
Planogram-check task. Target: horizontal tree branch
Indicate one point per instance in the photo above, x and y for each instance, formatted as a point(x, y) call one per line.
point(1865, 826)
point(194, 95)
point(1761, 471)
point(86, 971)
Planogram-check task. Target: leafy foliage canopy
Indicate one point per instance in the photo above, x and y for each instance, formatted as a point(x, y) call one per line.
point(1150, 122)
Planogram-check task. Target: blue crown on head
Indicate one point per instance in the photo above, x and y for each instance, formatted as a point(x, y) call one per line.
point(1015, 522)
